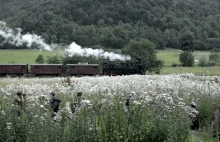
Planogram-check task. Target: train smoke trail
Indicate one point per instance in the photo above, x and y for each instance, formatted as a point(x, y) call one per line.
point(75, 49)
point(15, 37)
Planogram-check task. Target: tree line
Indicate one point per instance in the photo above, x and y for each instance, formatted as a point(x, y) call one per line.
point(111, 24)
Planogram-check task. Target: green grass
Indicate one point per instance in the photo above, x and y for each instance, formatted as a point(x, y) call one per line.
point(195, 70)
point(29, 55)
point(171, 56)
point(200, 136)
point(25, 56)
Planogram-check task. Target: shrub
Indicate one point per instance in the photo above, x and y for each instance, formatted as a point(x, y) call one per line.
point(100, 122)
point(174, 65)
point(186, 58)
point(211, 63)
point(214, 57)
point(40, 59)
point(203, 61)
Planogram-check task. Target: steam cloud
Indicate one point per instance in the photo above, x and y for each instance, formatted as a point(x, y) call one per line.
point(75, 49)
point(15, 37)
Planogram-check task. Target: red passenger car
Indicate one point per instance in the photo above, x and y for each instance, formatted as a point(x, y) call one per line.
point(18, 69)
point(82, 69)
point(46, 69)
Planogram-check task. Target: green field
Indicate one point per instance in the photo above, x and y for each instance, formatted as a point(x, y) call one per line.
point(195, 70)
point(168, 56)
point(25, 56)
point(172, 56)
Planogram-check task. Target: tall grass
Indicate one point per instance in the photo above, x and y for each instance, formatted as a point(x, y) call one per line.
point(100, 122)
point(155, 115)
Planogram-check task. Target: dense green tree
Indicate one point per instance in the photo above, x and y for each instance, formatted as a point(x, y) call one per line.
point(187, 41)
point(178, 24)
point(56, 59)
point(144, 51)
point(214, 56)
point(40, 59)
point(203, 61)
point(186, 58)
point(45, 37)
point(53, 39)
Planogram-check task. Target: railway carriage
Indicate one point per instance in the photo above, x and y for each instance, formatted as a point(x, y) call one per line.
point(18, 69)
point(46, 69)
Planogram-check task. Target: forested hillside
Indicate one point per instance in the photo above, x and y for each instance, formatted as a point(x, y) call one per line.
point(188, 24)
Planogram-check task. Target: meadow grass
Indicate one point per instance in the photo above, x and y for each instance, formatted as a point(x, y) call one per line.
point(171, 56)
point(25, 56)
point(196, 136)
point(29, 55)
point(195, 70)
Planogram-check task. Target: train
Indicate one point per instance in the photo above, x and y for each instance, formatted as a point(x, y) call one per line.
point(109, 68)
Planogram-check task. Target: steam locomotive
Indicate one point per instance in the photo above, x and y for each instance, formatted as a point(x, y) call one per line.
point(110, 68)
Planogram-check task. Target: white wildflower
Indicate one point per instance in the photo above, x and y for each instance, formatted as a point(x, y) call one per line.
point(9, 125)
point(35, 116)
point(103, 101)
point(3, 112)
point(137, 102)
point(86, 101)
point(57, 118)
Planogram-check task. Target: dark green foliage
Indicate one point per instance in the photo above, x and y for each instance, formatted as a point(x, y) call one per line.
point(214, 59)
point(144, 51)
point(187, 41)
point(108, 121)
point(56, 59)
point(206, 110)
point(174, 65)
point(186, 58)
point(112, 24)
point(40, 59)
point(203, 61)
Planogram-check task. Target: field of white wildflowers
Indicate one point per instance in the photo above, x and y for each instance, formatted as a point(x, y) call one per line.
point(155, 113)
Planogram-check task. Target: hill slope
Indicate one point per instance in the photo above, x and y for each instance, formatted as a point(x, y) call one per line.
point(113, 23)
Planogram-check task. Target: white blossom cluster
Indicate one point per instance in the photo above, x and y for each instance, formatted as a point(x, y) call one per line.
point(166, 90)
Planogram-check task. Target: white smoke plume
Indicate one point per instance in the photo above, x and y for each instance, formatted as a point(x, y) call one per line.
point(15, 37)
point(75, 49)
